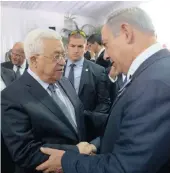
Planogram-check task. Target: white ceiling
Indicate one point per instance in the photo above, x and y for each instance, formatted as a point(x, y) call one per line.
point(94, 9)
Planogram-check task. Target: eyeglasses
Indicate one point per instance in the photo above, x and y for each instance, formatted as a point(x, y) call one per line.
point(16, 55)
point(82, 33)
point(57, 57)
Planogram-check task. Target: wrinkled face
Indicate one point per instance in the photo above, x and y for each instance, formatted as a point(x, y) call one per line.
point(118, 47)
point(17, 55)
point(93, 47)
point(50, 65)
point(76, 48)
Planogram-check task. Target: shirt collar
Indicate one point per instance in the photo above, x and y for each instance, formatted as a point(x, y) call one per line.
point(42, 83)
point(100, 51)
point(142, 57)
point(23, 66)
point(78, 63)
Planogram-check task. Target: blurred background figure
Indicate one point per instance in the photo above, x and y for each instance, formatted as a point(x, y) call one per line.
point(96, 46)
point(18, 61)
point(8, 56)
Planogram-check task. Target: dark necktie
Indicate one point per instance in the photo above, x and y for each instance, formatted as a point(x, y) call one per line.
point(71, 74)
point(18, 74)
point(57, 98)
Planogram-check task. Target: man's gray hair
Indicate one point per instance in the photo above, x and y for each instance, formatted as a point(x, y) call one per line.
point(33, 43)
point(134, 16)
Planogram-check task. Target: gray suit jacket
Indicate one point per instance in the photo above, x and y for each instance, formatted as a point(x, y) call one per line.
point(137, 133)
point(8, 76)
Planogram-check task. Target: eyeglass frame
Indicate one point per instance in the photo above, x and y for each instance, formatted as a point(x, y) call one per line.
point(58, 59)
point(16, 54)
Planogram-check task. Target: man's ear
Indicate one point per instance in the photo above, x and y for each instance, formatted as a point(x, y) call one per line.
point(33, 61)
point(127, 31)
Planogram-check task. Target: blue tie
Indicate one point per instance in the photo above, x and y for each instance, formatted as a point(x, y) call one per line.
point(71, 74)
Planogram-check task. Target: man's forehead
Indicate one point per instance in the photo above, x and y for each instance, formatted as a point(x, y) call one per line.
point(77, 41)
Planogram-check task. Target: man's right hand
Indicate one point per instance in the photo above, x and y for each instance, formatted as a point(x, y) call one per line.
point(86, 148)
point(113, 72)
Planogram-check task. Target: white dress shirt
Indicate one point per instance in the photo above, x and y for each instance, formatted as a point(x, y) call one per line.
point(114, 80)
point(143, 57)
point(22, 67)
point(100, 52)
point(3, 86)
point(59, 92)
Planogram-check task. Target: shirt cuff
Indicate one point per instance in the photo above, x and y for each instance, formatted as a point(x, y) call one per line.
point(113, 80)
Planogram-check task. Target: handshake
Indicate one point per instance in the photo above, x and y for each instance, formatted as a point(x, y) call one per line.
point(53, 164)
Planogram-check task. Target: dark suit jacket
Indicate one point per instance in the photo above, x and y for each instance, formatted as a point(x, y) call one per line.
point(100, 61)
point(31, 119)
point(93, 93)
point(7, 165)
point(136, 139)
point(113, 87)
point(9, 65)
point(87, 55)
point(93, 88)
point(8, 76)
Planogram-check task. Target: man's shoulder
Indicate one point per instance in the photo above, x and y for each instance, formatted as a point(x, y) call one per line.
point(95, 66)
point(6, 63)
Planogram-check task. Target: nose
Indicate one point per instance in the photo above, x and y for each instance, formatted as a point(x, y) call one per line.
point(106, 56)
point(76, 49)
point(63, 61)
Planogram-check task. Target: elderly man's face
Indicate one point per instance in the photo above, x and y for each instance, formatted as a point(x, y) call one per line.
point(50, 65)
point(117, 48)
point(17, 54)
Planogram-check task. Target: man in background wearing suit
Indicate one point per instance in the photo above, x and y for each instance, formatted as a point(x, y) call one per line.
point(88, 79)
point(18, 61)
point(96, 46)
point(40, 108)
point(136, 138)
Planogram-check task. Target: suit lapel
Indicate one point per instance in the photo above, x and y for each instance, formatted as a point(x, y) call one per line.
point(70, 94)
point(42, 96)
point(84, 76)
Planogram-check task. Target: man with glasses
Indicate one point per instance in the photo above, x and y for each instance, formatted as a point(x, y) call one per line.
point(41, 109)
point(18, 61)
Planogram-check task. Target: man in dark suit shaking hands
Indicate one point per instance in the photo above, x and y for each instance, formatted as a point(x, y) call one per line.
point(41, 108)
point(136, 137)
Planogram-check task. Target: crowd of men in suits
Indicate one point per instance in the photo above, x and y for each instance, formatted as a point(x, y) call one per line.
point(103, 108)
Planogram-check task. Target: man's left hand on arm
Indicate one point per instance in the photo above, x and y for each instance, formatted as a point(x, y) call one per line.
point(53, 164)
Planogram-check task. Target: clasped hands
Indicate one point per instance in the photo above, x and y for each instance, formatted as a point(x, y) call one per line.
point(53, 164)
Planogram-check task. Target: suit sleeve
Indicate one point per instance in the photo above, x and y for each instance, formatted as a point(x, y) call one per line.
point(19, 137)
point(143, 144)
point(103, 103)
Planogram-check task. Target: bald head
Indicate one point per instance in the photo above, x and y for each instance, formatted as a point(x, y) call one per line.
point(19, 45)
point(18, 55)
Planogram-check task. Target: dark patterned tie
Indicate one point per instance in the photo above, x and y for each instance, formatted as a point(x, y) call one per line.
point(56, 97)
point(71, 74)
point(18, 74)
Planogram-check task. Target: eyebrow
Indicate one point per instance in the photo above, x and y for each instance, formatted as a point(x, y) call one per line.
point(59, 51)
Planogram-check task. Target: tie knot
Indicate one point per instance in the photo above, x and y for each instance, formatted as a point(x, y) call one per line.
point(72, 65)
point(18, 67)
point(52, 87)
